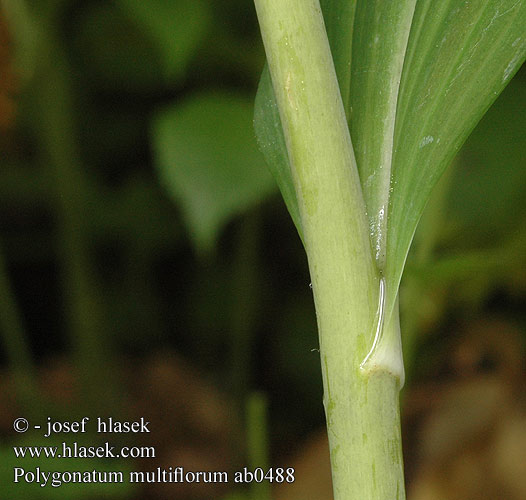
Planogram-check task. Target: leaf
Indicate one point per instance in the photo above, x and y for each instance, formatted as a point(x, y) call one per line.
point(271, 141)
point(175, 27)
point(459, 58)
point(114, 50)
point(339, 18)
point(208, 160)
point(381, 32)
point(422, 74)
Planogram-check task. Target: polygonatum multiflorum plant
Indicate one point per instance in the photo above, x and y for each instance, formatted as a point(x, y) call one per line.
point(362, 106)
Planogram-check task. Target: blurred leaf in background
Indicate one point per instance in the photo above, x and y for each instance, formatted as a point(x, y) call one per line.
point(176, 28)
point(209, 162)
point(114, 50)
point(139, 47)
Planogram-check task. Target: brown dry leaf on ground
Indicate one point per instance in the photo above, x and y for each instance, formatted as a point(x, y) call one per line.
point(467, 436)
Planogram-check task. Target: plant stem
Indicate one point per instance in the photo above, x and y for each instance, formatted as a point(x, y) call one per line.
point(243, 310)
point(53, 103)
point(257, 438)
point(361, 404)
point(16, 345)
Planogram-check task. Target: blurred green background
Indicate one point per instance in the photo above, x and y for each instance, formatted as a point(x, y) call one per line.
point(148, 266)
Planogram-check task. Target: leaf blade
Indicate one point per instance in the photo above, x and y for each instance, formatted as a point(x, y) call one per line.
point(176, 41)
point(380, 39)
point(445, 90)
point(271, 141)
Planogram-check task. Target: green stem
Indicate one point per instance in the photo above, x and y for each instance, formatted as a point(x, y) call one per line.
point(243, 310)
point(257, 443)
point(243, 315)
point(361, 402)
point(16, 345)
point(53, 95)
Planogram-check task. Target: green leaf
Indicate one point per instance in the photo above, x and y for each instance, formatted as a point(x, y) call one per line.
point(339, 18)
point(114, 51)
point(271, 141)
point(459, 58)
point(422, 74)
point(381, 32)
point(208, 160)
point(175, 27)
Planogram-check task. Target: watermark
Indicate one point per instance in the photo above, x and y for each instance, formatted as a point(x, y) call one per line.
point(43, 477)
